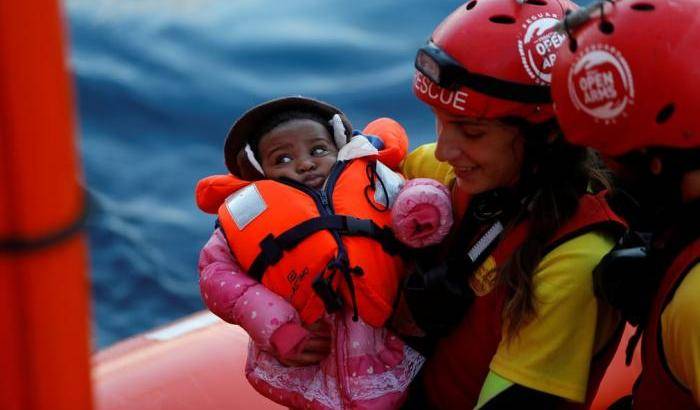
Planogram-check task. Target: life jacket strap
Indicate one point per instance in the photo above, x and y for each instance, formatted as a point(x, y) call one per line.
point(272, 248)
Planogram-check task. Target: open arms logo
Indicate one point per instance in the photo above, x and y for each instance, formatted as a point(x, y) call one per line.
point(600, 83)
point(538, 43)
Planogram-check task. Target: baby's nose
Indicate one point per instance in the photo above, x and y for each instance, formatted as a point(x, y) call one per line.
point(306, 165)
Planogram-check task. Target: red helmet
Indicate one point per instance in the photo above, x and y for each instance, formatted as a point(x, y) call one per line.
point(492, 59)
point(628, 79)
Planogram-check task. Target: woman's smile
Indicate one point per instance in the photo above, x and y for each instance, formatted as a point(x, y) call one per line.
point(465, 172)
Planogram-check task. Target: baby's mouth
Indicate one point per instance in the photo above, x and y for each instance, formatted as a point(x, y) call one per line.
point(314, 181)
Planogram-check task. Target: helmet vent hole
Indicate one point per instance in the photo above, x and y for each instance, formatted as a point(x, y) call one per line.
point(643, 7)
point(536, 2)
point(471, 4)
point(502, 19)
point(665, 113)
point(606, 27)
point(573, 44)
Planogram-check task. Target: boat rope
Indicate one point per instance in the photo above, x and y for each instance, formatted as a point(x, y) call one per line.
point(24, 244)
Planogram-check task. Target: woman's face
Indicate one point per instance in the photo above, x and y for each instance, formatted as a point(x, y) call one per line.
point(485, 154)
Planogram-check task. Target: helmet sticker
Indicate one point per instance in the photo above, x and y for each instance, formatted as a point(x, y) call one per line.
point(537, 44)
point(456, 99)
point(600, 83)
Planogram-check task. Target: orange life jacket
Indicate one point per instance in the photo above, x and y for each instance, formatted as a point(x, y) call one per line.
point(454, 376)
point(317, 249)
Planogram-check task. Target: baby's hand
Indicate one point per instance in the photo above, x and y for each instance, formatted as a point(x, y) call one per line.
point(422, 213)
point(297, 346)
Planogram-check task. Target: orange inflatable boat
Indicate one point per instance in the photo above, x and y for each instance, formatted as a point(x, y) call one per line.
point(194, 363)
point(179, 367)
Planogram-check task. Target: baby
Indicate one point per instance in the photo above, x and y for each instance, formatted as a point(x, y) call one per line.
point(303, 243)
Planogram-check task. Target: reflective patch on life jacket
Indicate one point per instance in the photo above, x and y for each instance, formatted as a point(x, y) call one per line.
point(392, 181)
point(245, 205)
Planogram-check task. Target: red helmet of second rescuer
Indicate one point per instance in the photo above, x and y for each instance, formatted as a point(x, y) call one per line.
point(492, 59)
point(627, 77)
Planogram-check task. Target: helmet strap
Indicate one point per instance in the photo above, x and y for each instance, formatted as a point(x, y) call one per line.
point(339, 133)
point(252, 160)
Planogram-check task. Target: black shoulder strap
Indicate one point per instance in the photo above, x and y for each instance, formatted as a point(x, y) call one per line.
point(272, 248)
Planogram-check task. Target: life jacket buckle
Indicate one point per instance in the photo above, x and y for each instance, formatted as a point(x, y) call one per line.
point(358, 226)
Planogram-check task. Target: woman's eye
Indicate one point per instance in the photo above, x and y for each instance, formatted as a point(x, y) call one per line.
point(472, 133)
point(283, 159)
point(320, 150)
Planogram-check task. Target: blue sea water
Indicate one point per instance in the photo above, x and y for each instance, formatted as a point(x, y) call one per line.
point(158, 85)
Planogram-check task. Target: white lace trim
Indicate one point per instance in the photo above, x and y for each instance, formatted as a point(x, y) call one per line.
point(396, 380)
point(314, 383)
point(295, 379)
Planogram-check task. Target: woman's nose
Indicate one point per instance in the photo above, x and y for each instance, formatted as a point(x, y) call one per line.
point(447, 148)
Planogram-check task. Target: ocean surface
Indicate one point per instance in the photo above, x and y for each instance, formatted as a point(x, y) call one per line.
point(158, 85)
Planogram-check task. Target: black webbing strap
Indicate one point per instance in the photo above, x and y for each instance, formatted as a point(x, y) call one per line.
point(23, 244)
point(272, 248)
point(507, 90)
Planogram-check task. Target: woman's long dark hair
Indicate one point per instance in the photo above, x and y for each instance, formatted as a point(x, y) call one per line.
point(556, 174)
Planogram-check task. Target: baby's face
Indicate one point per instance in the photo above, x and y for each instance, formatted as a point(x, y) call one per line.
point(301, 150)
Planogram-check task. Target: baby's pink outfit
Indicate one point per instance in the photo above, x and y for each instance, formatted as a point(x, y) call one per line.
point(368, 368)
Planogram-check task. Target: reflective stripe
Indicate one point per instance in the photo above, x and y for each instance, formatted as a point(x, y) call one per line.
point(245, 205)
point(485, 241)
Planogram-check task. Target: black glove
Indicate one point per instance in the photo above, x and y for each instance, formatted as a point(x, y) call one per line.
point(437, 297)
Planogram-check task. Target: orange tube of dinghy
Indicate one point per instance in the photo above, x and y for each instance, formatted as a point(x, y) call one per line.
point(195, 363)
point(619, 378)
point(43, 288)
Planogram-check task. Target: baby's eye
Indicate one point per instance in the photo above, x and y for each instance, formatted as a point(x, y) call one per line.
point(283, 159)
point(319, 150)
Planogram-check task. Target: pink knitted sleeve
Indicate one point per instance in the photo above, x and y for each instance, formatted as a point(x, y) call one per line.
point(231, 294)
point(422, 213)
